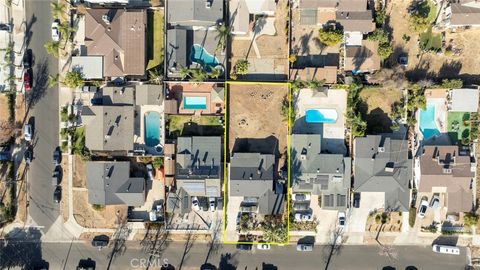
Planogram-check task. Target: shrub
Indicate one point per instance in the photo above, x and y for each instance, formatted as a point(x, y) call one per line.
point(453, 83)
point(73, 79)
point(379, 35)
point(98, 207)
point(330, 37)
point(241, 67)
point(470, 219)
point(378, 219)
point(412, 216)
point(384, 50)
point(157, 163)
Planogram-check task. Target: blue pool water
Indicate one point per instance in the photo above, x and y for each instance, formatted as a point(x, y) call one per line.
point(321, 116)
point(152, 128)
point(195, 103)
point(200, 56)
point(428, 127)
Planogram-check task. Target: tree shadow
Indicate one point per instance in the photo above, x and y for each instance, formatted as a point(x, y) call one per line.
point(260, 22)
point(378, 122)
point(421, 71)
point(28, 29)
point(21, 249)
point(450, 69)
point(333, 248)
point(228, 262)
point(40, 84)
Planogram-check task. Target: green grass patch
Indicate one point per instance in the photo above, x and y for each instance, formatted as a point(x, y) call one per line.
point(187, 125)
point(458, 126)
point(430, 41)
point(154, 38)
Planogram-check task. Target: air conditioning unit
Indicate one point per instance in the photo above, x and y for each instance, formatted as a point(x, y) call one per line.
point(208, 4)
point(381, 149)
point(446, 170)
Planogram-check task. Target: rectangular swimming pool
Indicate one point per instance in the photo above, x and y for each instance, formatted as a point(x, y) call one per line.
point(321, 116)
point(195, 103)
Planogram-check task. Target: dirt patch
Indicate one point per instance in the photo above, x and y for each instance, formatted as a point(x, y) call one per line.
point(79, 172)
point(86, 216)
point(377, 107)
point(21, 192)
point(64, 185)
point(20, 109)
point(256, 113)
point(392, 222)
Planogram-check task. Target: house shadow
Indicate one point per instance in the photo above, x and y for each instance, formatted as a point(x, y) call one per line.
point(194, 129)
point(21, 249)
point(378, 121)
point(446, 240)
point(307, 240)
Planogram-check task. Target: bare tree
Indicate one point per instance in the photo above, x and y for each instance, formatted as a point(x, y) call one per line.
point(334, 247)
point(7, 131)
point(119, 238)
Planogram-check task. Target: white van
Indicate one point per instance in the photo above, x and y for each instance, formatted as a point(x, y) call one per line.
point(446, 249)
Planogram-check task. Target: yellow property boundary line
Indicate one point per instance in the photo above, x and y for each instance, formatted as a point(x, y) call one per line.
point(225, 155)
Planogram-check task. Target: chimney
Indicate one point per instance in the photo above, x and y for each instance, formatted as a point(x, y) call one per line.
point(318, 170)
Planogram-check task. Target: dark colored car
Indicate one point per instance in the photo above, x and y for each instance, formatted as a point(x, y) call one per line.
point(244, 246)
point(56, 156)
point(27, 59)
point(100, 241)
point(28, 156)
point(57, 194)
point(27, 80)
point(56, 176)
point(356, 200)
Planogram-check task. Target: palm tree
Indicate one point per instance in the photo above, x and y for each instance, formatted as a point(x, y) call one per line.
point(155, 75)
point(215, 73)
point(53, 80)
point(66, 30)
point(185, 72)
point(52, 48)
point(58, 9)
point(224, 32)
point(198, 75)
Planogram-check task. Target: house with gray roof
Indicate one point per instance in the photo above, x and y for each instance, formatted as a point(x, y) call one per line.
point(189, 13)
point(252, 177)
point(148, 94)
point(382, 165)
point(178, 202)
point(325, 175)
point(198, 166)
point(110, 183)
point(118, 95)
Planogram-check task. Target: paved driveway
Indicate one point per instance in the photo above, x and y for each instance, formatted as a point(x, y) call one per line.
point(233, 206)
point(357, 217)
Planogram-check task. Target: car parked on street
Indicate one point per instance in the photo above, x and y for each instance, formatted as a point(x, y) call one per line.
point(100, 241)
point(56, 176)
point(305, 247)
point(303, 217)
point(57, 194)
point(195, 203)
point(27, 59)
point(263, 246)
point(28, 132)
point(423, 207)
point(55, 31)
point(244, 246)
point(28, 155)
point(27, 80)
point(356, 199)
point(57, 156)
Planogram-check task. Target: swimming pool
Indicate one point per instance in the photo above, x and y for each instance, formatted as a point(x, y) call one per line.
point(152, 128)
point(195, 103)
point(428, 127)
point(200, 56)
point(321, 116)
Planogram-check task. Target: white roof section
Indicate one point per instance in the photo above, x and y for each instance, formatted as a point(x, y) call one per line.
point(266, 7)
point(90, 66)
point(464, 100)
point(3, 13)
point(4, 40)
point(353, 38)
point(240, 11)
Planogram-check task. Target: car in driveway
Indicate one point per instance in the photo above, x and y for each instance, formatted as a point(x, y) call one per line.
point(305, 247)
point(212, 204)
point(55, 32)
point(303, 217)
point(27, 80)
point(435, 202)
point(301, 206)
point(422, 209)
point(263, 246)
point(57, 194)
point(195, 203)
point(342, 220)
point(300, 197)
point(149, 171)
point(28, 132)
point(57, 156)
point(356, 199)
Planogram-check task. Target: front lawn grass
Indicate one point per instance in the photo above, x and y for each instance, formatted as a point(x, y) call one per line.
point(458, 126)
point(154, 38)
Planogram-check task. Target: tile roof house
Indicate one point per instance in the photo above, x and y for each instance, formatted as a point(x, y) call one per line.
point(109, 183)
point(463, 100)
point(445, 169)
point(361, 59)
point(204, 13)
point(241, 12)
point(325, 175)
point(198, 166)
point(252, 177)
point(464, 13)
point(119, 36)
point(382, 165)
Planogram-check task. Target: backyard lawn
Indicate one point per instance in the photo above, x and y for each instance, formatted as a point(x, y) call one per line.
point(376, 106)
point(456, 126)
point(154, 38)
point(185, 125)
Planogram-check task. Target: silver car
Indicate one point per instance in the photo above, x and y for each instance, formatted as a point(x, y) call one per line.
point(305, 247)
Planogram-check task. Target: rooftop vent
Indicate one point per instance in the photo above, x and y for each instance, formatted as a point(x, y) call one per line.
point(208, 4)
point(303, 157)
point(381, 149)
point(106, 19)
point(447, 170)
point(389, 167)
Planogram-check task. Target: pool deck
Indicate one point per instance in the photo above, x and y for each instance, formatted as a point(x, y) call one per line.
point(215, 104)
point(333, 134)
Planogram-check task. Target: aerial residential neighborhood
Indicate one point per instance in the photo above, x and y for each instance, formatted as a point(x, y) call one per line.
point(239, 134)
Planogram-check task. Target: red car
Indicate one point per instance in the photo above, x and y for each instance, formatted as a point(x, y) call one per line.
point(27, 80)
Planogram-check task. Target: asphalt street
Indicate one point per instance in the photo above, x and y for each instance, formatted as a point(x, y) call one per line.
point(43, 102)
point(182, 256)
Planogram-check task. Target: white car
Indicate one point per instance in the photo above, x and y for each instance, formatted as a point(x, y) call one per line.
point(423, 207)
point(213, 206)
point(435, 202)
point(341, 220)
point(195, 203)
point(303, 217)
point(27, 133)
point(263, 246)
point(55, 32)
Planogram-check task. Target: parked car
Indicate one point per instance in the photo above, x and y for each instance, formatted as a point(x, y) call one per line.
point(356, 199)
point(212, 204)
point(302, 206)
point(28, 156)
point(244, 246)
point(55, 177)
point(100, 241)
point(27, 80)
point(150, 171)
point(195, 203)
point(342, 220)
point(446, 249)
point(303, 217)
point(403, 60)
point(55, 32)
point(435, 202)
point(423, 207)
point(28, 132)
point(301, 197)
point(57, 156)
point(57, 194)
point(27, 59)
point(305, 247)
point(263, 246)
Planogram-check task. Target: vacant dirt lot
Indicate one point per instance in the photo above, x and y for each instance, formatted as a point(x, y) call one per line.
point(79, 172)
point(377, 106)
point(256, 113)
point(430, 65)
point(91, 218)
